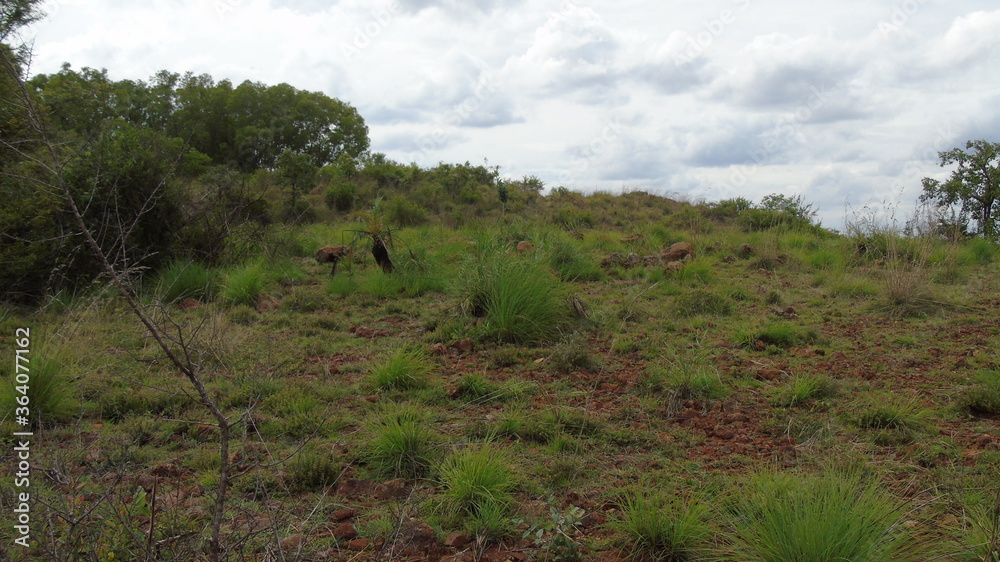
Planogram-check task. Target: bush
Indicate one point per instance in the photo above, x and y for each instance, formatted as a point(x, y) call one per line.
point(341, 195)
point(782, 516)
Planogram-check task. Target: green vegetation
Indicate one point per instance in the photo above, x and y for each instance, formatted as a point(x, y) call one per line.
point(483, 377)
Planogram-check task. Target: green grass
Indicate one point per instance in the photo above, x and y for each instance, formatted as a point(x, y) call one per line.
point(477, 484)
point(519, 301)
point(244, 285)
point(804, 388)
point(659, 526)
point(312, 469)
point(983, 396)
point(783, 517)
point(778, 334)
point(46, 390)
point(702, 301)
point(187, 279)
point(401, 444)
point(406, 368)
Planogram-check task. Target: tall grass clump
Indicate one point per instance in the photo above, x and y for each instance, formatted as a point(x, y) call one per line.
point(571, 263)
point(401, 444)
point(783, 517)
point(983, 397)
point(49, 389)
point(477, 484)
point(519, 301)
point(186, 279)
point(659, 526)
point(407, 367)
point(244, 285)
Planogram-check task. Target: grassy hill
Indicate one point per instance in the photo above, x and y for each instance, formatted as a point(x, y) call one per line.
point(783, 393)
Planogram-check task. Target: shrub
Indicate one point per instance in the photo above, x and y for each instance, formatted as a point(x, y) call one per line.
point(781, 516)
point(186, 279)
point(407, 367)
point(660, 526)
point(341, 195)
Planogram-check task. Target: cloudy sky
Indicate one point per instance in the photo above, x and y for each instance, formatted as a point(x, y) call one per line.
point(845, 103)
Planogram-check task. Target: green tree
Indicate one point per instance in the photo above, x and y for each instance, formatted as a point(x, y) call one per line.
point(974, 186)
point(297, 171)
point(15, 14)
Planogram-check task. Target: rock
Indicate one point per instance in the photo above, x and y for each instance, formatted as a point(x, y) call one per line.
point(456, 540)
point(353, 488)
point(769, 374)
point(439, 349)
point(267, 303)
point(390, 490)
point(291, 543)
point(524, 246)
point(592, 520)
point(675, 266)
point(463, 345)
point(344, 532)
point(342, 514)
point(364, 332)
point(358, 544)
point(418, 533)
point(632, 260)
point(723, 433)
point(677, 252)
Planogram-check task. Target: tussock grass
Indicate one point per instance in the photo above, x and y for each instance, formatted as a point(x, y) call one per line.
point(244, 285)
point(187, 279)
point(49, 390)
point(804, 388)
point(401, 443)
point(783, 517)
point(519, 301)
point(983, 396)
point(659, 526)
point(406, 368)
point(477, 484)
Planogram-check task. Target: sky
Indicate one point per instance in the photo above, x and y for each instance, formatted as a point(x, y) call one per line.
point(843, 103)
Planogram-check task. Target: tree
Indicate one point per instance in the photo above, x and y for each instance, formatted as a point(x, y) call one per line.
point(975, 185)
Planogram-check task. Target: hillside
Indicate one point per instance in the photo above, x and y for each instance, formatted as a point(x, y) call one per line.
point(584, 397)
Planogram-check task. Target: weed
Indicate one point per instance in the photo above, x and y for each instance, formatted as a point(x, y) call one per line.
point(556, 537)
point(572, 354)
point(478, 389)
point(407, 367)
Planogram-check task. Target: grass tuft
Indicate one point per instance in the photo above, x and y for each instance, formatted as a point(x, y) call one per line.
point(659, 526)
point(406, 368)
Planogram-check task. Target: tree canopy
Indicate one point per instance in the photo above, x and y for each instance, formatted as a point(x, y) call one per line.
point(974, 186)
